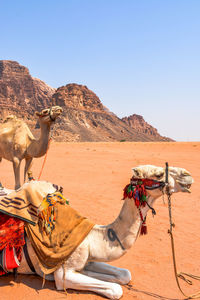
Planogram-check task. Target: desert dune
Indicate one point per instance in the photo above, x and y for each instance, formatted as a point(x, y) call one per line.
point(93, 176)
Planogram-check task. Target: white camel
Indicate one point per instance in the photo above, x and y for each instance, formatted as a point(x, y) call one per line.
point(86, 269)
point(17, 142)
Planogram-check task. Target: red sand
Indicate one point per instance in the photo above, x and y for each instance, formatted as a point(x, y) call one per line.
point(93, 176)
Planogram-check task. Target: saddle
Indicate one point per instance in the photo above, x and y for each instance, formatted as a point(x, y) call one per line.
point(53, 227)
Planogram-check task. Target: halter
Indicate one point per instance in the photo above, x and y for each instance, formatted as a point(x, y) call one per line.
point(136, 190)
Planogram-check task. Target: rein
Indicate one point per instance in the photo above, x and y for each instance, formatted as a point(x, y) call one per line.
point(44, 161)
point(172, 225)
point(45, 158)
point(136, 190)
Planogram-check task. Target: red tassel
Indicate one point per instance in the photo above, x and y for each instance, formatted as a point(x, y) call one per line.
point(137, 202)
point(143, 229)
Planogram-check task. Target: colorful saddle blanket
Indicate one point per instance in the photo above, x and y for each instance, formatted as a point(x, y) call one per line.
point(53, 227)
point(11, 242)
point(15, 208)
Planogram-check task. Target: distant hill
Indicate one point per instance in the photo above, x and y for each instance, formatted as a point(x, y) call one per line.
point(84, 117)
point(138, 123)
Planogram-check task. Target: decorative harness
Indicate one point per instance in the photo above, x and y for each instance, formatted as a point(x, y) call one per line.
point(136, 190)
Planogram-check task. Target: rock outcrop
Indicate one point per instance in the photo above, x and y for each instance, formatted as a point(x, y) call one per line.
point(19, 92)
point(138, 123)
point(84, 117)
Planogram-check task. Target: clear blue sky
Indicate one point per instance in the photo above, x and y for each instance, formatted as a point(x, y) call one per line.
point(139, 56)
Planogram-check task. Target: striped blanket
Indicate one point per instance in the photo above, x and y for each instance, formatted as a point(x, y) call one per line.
point(25, 202)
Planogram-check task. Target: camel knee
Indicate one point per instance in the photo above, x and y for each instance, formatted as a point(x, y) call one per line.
point(124, 276)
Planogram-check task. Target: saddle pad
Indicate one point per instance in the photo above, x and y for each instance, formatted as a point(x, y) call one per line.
point(25, 202)
point(69, 231)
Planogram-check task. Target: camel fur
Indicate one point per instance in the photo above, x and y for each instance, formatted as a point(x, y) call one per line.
point(86, 268)
point(18, 143)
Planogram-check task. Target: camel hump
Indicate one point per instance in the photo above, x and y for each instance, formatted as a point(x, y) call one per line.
point(9, 118)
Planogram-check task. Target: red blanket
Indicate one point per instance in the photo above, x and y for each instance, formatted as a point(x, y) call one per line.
point(11, 242)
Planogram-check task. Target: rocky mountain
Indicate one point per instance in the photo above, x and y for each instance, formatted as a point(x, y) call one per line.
point(84, 117)
point(138, 123)
point(20, 93)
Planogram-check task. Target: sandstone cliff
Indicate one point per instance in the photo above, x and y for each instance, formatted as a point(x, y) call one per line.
point(84, 117)
point(138, 123)
point(19, 92)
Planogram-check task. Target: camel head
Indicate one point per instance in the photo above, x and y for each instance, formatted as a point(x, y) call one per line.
point(180, 180)
point(49, 115)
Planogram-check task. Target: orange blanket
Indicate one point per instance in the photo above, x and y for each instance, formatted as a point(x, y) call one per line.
point(69, 231)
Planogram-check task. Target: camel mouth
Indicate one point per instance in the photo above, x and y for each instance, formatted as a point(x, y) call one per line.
point(57, 111)
point(185, 187)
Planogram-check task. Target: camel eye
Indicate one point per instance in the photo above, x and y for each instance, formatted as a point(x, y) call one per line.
point(45, 112)
point(158, 176)
point(136, 172)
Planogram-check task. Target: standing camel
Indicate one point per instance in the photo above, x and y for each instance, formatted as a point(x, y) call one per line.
point(17, 142)
point(85, 268)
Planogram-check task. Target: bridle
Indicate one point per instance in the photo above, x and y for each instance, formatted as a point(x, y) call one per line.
point(136, 190)
point(50, 115)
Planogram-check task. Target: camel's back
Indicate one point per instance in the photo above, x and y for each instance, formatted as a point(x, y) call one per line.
point(14, 136)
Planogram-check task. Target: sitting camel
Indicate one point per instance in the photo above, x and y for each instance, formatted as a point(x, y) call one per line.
point(17, 142)
point(85, 269)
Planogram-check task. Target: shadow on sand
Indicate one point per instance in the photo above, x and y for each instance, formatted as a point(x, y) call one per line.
point(35, 282)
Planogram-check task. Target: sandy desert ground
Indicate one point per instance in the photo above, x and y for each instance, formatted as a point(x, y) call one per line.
point(93, 176)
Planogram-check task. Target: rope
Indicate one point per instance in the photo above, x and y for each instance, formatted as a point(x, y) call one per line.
point(44, 161)
point(172, 225)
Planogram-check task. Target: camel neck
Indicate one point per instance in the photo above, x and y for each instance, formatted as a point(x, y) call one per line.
point(128, 223)
point(38, 148)
point(125, 230)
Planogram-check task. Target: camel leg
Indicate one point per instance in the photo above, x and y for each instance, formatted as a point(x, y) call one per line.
point(16, 168)
point(103, 271)
point(77, 281)
point(28, 162)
